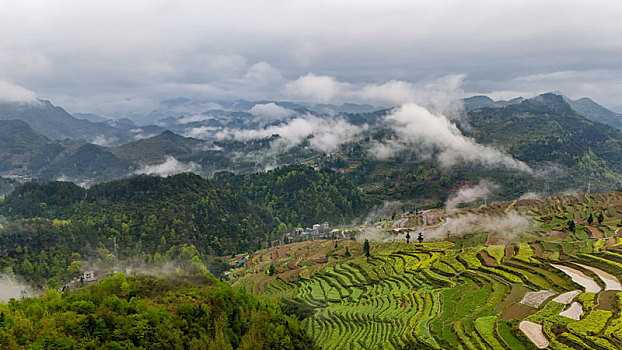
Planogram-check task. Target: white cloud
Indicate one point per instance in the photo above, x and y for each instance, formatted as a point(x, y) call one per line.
point(508, 227)
point(270, 111)
point(324, 134)
point(416, 127)
point(169, 167)
point(548, 76)
point(10, 92)
point(201, 132)
point(316, 88)
point(438, 95)
point(530, 195)
point(148, 50)
point(142, 136)
point(263, 73)
point(194, 118)
point(471, 194)
point(11, 288)
point(103, 140)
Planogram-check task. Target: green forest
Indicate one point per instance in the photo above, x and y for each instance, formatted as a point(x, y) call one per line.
point(57, 225)
point(124, 312)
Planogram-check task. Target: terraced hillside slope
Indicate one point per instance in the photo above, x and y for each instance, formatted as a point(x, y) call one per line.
point(551, 287)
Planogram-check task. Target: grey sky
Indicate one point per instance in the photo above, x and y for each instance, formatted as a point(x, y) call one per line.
point(122, 56)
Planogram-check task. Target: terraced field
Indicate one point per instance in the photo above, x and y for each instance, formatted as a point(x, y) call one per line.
point(445, 295)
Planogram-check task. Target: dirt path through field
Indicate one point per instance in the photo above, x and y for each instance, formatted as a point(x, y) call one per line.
point(533, 331)
point(579, 278)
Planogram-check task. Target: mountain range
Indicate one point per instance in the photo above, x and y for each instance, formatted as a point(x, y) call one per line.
point(548, 132)
point(585, 106)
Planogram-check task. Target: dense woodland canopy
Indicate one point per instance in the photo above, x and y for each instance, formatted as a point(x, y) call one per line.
point(58, 224)
point(299, 195)
point(119, 312)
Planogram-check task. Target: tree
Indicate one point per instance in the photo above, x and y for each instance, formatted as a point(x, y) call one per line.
point(282, 229)
point(347, 254)
point(600, 218)
point(366, 249)
point(51, 284)
point(590, 219)
point(197, 266)
point(27, 267)
point(271, 270)
point(420, 237)
point(571, 225)
point(407, 237)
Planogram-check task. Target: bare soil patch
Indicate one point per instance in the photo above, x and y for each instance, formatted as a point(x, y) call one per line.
point(533, 331)
point(538, 249)
point(596, 233)
point(574, 311)
point(535, 299)
point(566, 298)
point(485, 258)
point(579, 278)
point(558, 234)
point(509, 253)
point(611, 281)
point(607, 300)
point(517, 312)
point(320, 260)
point(516, 293)
point(492, 240)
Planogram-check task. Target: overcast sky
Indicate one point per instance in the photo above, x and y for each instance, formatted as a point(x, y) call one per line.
point(112, 57)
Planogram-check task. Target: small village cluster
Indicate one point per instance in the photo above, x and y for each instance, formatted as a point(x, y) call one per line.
point(321, 231)
point(87, 276)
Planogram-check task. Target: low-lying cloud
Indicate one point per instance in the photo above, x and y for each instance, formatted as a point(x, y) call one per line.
point(507, 227)
point(323, 134)
point(436, 95)
point(103, 140)
point(423, 122)
point(270, 112)
point(471, 194)
point(170, 166)
point(11, 288)
point(12, 93)
point(418, 128)
point(530, 195)
point(201, 132)
point(194, 118)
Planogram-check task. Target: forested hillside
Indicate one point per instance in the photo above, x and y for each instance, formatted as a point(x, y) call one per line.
point(546, 129)
point(58, 223)
point(299, 195)
point(145, 217)
point(194, 312)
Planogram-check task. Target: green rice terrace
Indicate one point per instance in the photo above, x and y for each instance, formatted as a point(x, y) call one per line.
point(545, 284)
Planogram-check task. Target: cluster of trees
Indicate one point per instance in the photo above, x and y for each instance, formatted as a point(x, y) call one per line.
point(120, 312)
point(57, 227)
point(298, 195)
point(590, 219)
point(57, 223)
